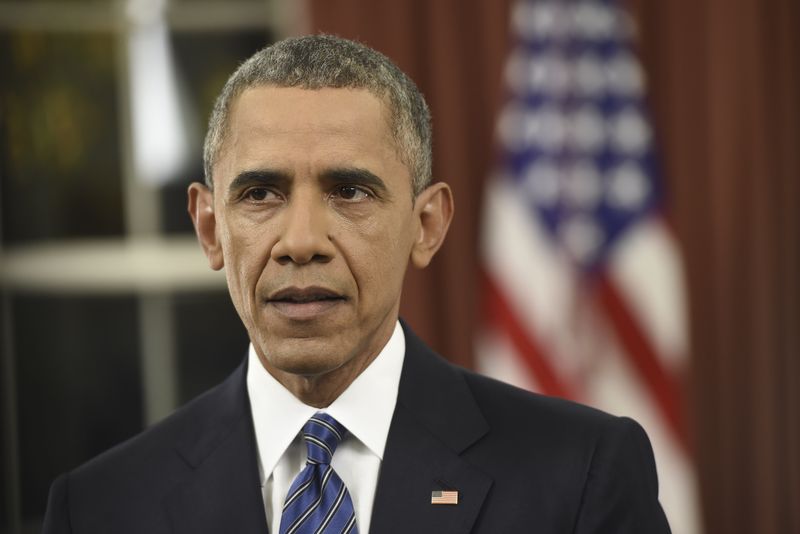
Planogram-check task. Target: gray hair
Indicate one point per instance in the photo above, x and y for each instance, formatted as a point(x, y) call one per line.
point(318, 61)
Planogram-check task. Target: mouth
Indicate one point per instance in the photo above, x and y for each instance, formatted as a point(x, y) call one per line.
point(304, 303)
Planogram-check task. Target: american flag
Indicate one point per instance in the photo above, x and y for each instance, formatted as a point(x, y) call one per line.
point(444, 497)
point(584, 292)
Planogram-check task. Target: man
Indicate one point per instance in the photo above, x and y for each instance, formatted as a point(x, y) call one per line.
point(318, 194)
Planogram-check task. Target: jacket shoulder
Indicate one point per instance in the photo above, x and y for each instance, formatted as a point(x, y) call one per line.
point(131, 480)
point(502, 404)
point(598, 467)
point(564, 430)
point(165, 440)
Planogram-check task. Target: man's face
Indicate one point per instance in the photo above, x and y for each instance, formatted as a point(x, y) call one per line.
point(315, 223)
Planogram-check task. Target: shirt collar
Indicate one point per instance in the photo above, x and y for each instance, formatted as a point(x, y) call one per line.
point(365, 408)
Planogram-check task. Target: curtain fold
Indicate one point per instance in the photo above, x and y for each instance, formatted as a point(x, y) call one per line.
point(725, 80)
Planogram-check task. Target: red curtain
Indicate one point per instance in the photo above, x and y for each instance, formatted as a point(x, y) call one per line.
point(725, 84)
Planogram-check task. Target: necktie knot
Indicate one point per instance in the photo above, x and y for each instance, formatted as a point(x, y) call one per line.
point(322, 434)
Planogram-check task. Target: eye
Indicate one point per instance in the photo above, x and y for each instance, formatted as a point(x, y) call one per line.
point(352, 193)
point(258, 194)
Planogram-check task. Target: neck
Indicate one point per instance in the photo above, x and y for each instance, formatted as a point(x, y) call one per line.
point(321, 390)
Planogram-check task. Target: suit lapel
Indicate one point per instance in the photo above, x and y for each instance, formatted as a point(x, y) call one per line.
point(223, 492)
point(435, 420)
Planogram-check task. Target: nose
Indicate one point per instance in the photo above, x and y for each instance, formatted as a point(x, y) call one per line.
point(304, 232)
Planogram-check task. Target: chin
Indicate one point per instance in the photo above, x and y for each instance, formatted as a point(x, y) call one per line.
point(304, 366)
point(301, 358)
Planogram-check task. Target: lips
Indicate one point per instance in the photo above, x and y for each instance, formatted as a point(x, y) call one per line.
point(304, 303)
point(303, 295)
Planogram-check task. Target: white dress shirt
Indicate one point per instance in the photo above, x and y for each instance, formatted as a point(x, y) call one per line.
point(365, 408)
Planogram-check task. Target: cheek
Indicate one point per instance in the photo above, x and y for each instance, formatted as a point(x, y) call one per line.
point(379, 256)
point(246, 253)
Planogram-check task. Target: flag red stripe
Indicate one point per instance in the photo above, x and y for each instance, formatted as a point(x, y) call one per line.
point(500, 315)
point(662, 385)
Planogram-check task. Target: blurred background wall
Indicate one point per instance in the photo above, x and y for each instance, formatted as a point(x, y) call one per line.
point(110, 317)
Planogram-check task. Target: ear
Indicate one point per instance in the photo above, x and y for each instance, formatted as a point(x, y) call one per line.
point(201, 210)
point(434, 208)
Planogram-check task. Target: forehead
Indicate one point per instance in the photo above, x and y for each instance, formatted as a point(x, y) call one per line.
point(328, 104)
point(277, 123)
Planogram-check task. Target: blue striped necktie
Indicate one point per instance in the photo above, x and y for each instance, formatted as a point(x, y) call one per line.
point(318, 501)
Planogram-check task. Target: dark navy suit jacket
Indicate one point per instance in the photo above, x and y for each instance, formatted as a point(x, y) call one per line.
point(521, 463)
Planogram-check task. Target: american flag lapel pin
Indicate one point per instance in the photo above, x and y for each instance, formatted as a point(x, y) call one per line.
point(444, 497)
